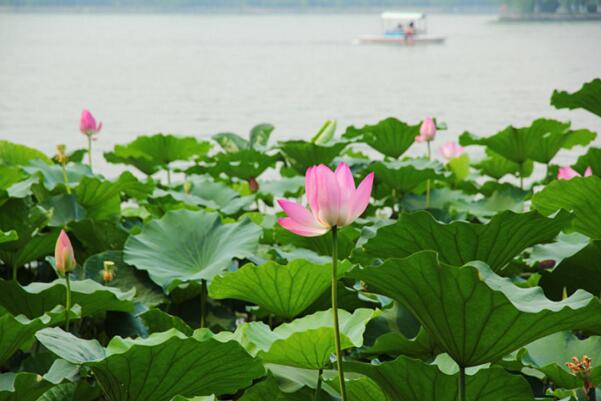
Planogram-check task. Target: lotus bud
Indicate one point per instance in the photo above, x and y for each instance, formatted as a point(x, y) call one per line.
point(61, 154)
point(87, 124)
point(187, 187)
point(427, 131)
point(546, 264)
point(108, 272)
point(253, 184)
point(64, 255)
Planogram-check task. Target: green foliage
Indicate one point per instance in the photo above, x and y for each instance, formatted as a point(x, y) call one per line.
point(191, 290)
point(444, 298)
point(150, 154)
point(588, 98)
point(186, 246)
point(390, 137)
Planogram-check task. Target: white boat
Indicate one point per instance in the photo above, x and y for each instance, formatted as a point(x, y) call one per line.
point(395, 30)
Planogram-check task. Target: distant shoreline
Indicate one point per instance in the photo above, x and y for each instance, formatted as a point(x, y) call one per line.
point(238, 10)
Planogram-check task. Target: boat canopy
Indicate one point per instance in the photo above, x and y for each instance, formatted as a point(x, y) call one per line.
point(394, 16)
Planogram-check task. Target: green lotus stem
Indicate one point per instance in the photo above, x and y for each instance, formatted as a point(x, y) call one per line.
point(428, 182)
point(335, 312)
point(168, 176)
point(89, 150)
point(203, 303)
point(462, 388)
point(318, 388)
point(67, 302)
point(66, 178)
point(14, 272)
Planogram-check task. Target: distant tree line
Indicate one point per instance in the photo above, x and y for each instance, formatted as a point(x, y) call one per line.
point(551, 6)
point(247, 3)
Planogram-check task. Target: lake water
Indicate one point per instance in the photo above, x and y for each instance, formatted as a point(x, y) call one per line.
point(200, 74)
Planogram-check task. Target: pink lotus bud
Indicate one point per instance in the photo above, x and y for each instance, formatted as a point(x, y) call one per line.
point(253, 185)
point(63, 254)
point(333, 201)
point(450, 150)
point(567, 173)
point(546, 264)
point(427, 131)
point(87, 124)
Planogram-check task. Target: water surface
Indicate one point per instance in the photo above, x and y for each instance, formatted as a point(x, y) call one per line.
point(199, 74)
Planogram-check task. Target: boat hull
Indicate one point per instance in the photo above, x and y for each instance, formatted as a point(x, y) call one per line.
point(392, 40)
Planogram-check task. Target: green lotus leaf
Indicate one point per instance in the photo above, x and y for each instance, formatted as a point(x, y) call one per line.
point(211, 194)
point(150, 154)
point(550, 354)
point(100, 198)
point(18, 331)
point(268, 390)
point(259, 136)
point(22, 386)
point(13, 154)
point(421, 346)
point(405, 176)
point(302, 154)
point(497, 167)
point(231, 142)
point(326, 133)
point(26, 219)
point(79, 391)
point(52, 174)
point(244, 164)
point(360, 389)
point(65, 209)
point(488, 206)
point(564, 247)
point(157, 321)
point(308, 342)
point(10, 175)
point(473, 314)
point(406, 379)
point(284, 290)
point(592, 159)
point(578, 195)
point(495, 243)
point(322, 245)
point(99, 235)
point(588, 98)
point(160, 366)
point(38, 298)
point(133, 187)
point(8, 236)
point(125, 278)
point(579, 271)
point(539, 142)
point(187, 245)
point(390, 137)
point(285, 187)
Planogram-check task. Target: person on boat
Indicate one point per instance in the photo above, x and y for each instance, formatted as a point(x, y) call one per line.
point(410, 31)
point(400, 29)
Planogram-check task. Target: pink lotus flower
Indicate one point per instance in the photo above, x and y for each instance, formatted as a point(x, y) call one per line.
point(64, 255)
point(87, 124)
point(427, 132)
point(450, 150)
point(333, 201)
point(567, 173)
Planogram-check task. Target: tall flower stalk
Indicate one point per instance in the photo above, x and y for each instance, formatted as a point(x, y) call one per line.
point(61, 156)
point(65, 264)
point(427, 133)
point(88, 127)
point(334, 202)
